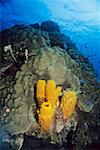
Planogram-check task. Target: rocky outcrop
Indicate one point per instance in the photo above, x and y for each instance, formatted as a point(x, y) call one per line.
point(50, 26)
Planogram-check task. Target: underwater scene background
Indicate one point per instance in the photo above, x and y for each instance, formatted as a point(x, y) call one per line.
point(49, 74)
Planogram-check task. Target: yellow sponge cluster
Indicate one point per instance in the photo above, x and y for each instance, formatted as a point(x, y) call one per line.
point(48, 95)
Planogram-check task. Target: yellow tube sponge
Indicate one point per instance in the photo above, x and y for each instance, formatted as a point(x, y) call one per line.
point(68, 103)
point(58, 90)
point(46, 116)
point(50, 90)
point(52, 93)
point(40, 94)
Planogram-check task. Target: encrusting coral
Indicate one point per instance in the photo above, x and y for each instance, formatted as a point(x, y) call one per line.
point(48, 98)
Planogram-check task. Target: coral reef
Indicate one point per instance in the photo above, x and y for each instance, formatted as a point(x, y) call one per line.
point(51, 56)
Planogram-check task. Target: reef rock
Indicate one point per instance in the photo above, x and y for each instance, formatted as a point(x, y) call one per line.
point(50, 26)
point(54, 63)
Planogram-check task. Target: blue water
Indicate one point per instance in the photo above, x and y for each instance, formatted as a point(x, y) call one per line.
point(80, 19)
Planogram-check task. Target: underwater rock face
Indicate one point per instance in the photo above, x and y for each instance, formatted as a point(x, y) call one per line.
point(45, 61)
point(50, 26)
point(35, 26)
point(58, 39)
